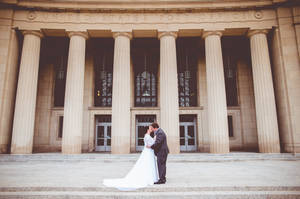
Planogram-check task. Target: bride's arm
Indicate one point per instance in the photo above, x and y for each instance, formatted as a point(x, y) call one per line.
point(149, 140)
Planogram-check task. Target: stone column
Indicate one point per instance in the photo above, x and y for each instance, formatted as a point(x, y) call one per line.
point(169, 105)
point(121, 94)
point(266, 117)
point(73, 107)
point(24, 116)
point(216, 94)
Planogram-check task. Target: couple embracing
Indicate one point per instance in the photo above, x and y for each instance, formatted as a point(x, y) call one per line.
point(145, 171)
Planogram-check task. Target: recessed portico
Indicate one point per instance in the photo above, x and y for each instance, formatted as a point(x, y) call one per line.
point(205, 77)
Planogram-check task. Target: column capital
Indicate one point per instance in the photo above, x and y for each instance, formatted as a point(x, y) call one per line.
point(167, 33)
point(33, 32)
point(209, 33)
point(78, 33)
point(258, 31)
point(126, 34)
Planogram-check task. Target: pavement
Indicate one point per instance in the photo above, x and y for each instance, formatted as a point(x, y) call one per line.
point(189, 175)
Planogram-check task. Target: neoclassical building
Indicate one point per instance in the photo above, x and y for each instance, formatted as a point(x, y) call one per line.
point(84, 76)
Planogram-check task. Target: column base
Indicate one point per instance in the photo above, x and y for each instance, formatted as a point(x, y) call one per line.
point(219, 151)
point(219, 148)
point(70, 150)
point(291, 148)
point(270, 149)
point(21, 150)
point(4, 148)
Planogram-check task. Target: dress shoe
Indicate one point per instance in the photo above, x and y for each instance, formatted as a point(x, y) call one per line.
point(160, 182)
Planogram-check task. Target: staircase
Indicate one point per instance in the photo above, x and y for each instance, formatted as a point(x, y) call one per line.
point(190, 175)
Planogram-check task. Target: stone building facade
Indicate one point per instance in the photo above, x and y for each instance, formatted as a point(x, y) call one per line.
point(83, 76)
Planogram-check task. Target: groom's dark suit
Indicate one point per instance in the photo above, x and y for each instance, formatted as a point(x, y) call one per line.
point(161, 150)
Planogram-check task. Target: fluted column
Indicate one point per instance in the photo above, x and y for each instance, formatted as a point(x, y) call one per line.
point(73, 107)
point(216, 94)
point(169, 105)
point(24, 116)
point(121, 94)
point(266, 117)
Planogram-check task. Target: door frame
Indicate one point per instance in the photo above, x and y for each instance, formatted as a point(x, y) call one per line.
point(137, 124)
point(186, 147)
point(105, 125)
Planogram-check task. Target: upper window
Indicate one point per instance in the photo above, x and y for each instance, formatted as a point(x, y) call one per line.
point(187, 71)
point(145, 53)
point(230, 69)
point(54, 51)
point(103, 70)
point(60, 80)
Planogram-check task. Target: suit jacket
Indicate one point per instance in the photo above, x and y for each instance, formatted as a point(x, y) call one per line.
point(160, 146)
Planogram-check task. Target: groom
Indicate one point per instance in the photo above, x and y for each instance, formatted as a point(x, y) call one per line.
point(161, 150)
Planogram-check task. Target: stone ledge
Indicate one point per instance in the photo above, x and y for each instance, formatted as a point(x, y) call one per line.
point(175, 195)
point(164, 188)
point(183, 157)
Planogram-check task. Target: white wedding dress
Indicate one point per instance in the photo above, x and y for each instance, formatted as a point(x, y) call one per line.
point(143, 173)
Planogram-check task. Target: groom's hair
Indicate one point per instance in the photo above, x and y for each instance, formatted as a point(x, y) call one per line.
point(155, 125)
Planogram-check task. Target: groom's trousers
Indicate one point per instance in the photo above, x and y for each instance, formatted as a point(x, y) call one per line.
point(161, 164)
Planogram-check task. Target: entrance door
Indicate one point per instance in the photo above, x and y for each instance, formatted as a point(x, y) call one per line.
point(188, 133)
point(103, 133)
point(142, 124)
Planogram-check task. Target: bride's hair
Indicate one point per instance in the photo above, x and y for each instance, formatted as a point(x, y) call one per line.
point(155, 125)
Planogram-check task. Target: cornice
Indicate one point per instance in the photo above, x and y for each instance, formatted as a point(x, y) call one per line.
point(140, 5)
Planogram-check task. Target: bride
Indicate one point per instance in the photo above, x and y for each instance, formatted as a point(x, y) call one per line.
point(143, 173)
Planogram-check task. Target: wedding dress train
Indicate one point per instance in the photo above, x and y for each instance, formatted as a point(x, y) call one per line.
point(143, 173)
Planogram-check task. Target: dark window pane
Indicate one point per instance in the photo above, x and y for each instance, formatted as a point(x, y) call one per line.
point(103, 118)
point(60, 80)
point(103, 71)
point(191, 141)
point(100, 132)
point(182, 142)
point(60, 130)
point(230, 126)
point(187, 118)
point(187, 71)
point(100, 142)
point(182, 132)
point(141, 131)
point(140, 142)
point(145, 118)
point(191, 131)
point(108, 142)
point(109, 131)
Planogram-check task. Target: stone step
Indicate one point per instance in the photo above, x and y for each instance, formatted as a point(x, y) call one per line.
point(156, 195)
point(190, 175)
point(154, 188)
point(183, 157)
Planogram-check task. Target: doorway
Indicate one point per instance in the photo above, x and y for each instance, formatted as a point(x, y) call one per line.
point(142, 124)
point(103, 133)
point(188, 141)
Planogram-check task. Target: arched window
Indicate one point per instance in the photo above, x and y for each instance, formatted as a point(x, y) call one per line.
point(145, 85)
